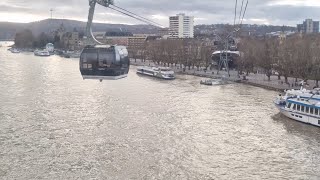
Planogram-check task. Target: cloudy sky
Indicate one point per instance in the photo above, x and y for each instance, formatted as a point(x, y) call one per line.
point(276, 12)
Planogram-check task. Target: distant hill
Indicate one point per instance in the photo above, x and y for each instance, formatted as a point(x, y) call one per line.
point(8, 30)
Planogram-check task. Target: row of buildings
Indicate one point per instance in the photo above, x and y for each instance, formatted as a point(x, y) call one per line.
point(180, 26)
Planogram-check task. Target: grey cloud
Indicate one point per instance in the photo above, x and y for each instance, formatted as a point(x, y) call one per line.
point(207, 11)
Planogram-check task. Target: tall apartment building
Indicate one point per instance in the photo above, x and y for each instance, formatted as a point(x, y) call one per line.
point(181, 26)
point(308, 26)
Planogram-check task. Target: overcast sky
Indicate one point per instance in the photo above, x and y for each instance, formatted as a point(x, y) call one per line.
point(275, 12)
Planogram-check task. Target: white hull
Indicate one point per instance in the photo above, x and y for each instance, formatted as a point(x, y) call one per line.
point(298, 116)
point(157, 74)
point(41, 53)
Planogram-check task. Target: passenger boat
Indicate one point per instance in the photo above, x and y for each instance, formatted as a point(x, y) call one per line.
point(15, 51)
point(41, 53)
point(159, 72)
point(303, 93)
point(306, 110)
point(207, 82)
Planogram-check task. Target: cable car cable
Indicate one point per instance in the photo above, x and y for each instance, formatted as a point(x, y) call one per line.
point(244, 13)
point(145, 21)
point(241, 12)
point(137, 15)
point(235, 13)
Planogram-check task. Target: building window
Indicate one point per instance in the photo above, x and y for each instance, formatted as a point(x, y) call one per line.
point(316, 111)
point(298, 109)
point(307, 109)
point(311, 110)
point(302, 108)
point(294, 107)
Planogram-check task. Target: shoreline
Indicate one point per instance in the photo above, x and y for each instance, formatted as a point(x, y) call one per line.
point(252, 79)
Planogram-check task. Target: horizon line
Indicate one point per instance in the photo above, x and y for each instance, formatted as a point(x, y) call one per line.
point(101, 22)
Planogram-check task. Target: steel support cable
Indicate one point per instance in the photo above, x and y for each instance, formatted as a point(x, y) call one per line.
point(241, 12)
point(244, 13)
point(235, 13)
point(130, 15)
point(137, 15)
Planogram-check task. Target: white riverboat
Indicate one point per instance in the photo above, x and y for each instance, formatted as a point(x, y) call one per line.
point(159, 72)
point(41, 53)
point(306, 110)
point(211, 82)
point(303, 93)
point(15, 51)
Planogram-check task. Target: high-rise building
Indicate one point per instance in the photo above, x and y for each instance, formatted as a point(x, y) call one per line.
point(181, 26)
point(308, 26)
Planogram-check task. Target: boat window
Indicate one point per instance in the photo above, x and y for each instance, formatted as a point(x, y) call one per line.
point(302, 108)
point(316, 111)
point(294, 107)
point(298, 108)
point(311, 110)
point(307, 109)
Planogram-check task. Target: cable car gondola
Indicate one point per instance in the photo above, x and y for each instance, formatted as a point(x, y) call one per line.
point(104, 62)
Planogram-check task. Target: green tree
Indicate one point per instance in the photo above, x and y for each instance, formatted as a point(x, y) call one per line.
point(24, 39)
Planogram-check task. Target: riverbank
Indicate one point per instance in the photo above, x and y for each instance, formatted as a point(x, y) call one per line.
point(257, 80)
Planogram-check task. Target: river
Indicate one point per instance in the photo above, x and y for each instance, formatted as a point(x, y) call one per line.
point(54, 125)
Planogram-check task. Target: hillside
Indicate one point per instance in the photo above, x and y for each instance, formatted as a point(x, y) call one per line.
point(8, 30)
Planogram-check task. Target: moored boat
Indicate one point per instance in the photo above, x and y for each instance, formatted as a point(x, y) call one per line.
point(43, 53)
point(15, 51)
point(306, 110)
point(159, 72)
point(207, 82)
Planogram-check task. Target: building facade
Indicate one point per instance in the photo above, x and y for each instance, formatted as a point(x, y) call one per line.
point(136, 42)
point(308, 26)
point(181, 26)
point(71, 40)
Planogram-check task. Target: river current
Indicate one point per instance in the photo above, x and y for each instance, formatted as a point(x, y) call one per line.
point(55, 125)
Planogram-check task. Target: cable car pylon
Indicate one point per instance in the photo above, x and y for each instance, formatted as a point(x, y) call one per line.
point(224, 54)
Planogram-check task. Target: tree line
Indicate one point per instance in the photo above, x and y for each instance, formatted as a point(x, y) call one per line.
point(172, 52)
point(297, 56)
point(26, 39)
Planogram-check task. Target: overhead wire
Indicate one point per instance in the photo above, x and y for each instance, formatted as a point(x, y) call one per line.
point(241, 12)
point(130, 15)
point(137, 15)
point(244, 13)
point(235, 13)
